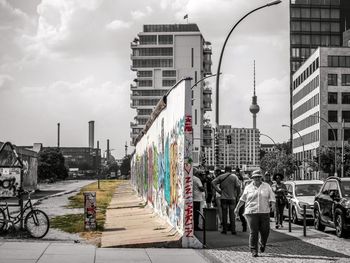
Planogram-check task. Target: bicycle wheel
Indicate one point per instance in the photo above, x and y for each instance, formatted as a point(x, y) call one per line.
point(37, 223)
point(2, 220)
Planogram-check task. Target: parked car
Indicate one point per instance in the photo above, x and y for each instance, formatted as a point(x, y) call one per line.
point(332, 205)
point(300, 193)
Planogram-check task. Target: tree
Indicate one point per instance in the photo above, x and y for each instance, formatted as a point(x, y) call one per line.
point(125, 166)
point(51, 165)
point(113, 167)
point(280, 162)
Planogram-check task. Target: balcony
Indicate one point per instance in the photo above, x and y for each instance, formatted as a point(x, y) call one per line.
point(133, 87)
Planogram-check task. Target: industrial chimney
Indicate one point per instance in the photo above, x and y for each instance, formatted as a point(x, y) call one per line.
point(91, 133)
point(58, 135)
point(108, 151)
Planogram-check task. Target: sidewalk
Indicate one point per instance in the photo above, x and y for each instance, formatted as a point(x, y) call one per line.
point(131, 223)
point(44, 252)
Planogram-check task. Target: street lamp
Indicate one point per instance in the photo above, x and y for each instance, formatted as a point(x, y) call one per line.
point(302, 141)
point(222, 53)
point(335, 143)
point(270, 139)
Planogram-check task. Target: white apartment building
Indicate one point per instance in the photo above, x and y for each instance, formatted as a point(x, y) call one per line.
point(321, 88)
point(243, 152)
point(161, 56)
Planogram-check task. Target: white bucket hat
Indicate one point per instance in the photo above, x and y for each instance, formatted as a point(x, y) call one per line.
point(256, 173)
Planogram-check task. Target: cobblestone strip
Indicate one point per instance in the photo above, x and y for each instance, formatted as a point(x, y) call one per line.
point(309, 250)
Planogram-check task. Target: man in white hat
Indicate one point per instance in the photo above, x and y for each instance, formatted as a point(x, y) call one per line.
point(258, 199)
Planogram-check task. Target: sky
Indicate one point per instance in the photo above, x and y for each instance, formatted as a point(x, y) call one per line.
point(68, 62)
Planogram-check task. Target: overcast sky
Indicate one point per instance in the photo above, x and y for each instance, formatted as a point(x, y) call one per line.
point(68, 61)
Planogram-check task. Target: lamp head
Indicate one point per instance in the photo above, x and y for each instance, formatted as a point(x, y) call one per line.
point(274, 3)
point(284, 125)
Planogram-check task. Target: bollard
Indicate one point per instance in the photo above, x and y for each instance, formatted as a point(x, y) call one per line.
point(204, 230)
point(289, 215)
point(304, 214)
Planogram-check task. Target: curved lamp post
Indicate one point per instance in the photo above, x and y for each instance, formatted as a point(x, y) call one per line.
point(270, 139)
point(302, 141)
point(222, 53)
point(335, 142)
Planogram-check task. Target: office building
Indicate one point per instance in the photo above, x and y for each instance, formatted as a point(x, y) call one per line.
point(242, 152)
point(321, 88)
point(161, 56)
point(315, 23)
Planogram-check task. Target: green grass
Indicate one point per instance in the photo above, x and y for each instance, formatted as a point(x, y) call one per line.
point(74, 223)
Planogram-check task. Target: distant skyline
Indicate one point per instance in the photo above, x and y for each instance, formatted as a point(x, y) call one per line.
point(69, 62)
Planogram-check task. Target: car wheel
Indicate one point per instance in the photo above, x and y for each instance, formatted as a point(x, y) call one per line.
point(339, 225)
point(295, 219)
point(317, 223)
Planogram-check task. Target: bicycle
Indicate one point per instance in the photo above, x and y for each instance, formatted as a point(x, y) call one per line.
point(36, 222)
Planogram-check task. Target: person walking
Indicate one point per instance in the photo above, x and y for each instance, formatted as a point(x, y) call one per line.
point(241, 210)
point(198, 190)
point(267, 178)
point(257, 197)
point(229, 190)
point(280, 190)
point(217, 172)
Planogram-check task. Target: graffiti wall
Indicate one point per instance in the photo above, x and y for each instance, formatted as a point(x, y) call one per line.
point(162, 163)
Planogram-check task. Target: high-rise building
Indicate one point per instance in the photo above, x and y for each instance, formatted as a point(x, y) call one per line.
point(161, 56)
point(315, 23)
point(321, 100)
point(237, 147)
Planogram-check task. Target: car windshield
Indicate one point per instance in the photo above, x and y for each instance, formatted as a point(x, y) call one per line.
point(307, 189)
point(345, 188)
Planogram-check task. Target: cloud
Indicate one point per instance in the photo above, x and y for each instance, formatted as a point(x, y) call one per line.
point(6, 82)
point(117, 25)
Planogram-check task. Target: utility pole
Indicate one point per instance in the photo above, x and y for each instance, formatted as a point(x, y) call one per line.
point(126, 149)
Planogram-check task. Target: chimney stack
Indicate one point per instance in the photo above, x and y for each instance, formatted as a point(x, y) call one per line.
point(98, 144)
point(58, 135)
point(91, 133)
point(107, 150)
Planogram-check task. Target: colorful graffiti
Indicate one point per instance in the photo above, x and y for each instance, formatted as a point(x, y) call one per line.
point(162, 164)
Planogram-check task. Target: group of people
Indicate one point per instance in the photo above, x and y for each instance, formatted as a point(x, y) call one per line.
point(252, 203)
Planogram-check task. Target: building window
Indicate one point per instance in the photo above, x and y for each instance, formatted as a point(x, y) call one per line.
point(144, 74)
point(346, 134)
point(168, 82)
point(195, 117)
point(345, 98)
point(192, 57)
point(148, 40)
point(169, 73)
point(165, 39)
point(145, 83)
point(331, 135)
point(332, 116)
point(345, 79)
point(332, 98)
point(346, 116)
point(332, 80)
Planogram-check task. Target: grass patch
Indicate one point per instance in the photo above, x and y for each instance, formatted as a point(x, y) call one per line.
point(74, 223)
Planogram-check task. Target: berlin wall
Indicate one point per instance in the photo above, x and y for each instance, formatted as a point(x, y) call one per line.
point(161, 168)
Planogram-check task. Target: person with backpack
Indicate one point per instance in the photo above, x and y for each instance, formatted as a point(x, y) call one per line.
point(228, 186)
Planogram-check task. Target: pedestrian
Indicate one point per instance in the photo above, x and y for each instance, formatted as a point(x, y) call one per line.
point(198, 190)
point(280, 190)
point(241, 210)
point(217, 173)
point(257, 197)
point(267, 178)
point(229, 190)
point(209, 188)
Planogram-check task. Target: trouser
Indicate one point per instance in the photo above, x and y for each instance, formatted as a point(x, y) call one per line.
point(219, 208)
point(242, 217)
point(258, 224)
point(196, 208)
point(227, 204)
point(279, 213)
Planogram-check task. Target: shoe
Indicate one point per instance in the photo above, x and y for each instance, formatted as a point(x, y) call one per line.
point(254, 254)
point(262, 249)
point(234, 232)
point(277, 226)
point(281, 225)
point(223, 232)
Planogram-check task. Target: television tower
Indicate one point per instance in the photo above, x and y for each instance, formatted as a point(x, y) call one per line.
point(254, 108)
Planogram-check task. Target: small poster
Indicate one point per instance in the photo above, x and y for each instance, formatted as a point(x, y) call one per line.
point(10, 181)
point(90, 210)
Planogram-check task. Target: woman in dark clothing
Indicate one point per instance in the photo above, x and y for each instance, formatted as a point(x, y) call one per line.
point(280, 190)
